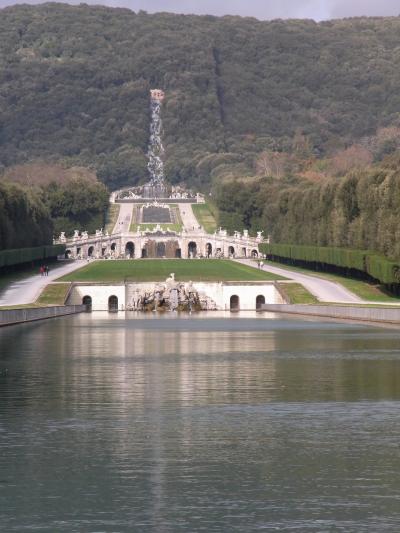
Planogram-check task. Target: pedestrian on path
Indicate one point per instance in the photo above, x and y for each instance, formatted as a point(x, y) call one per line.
point(41, 270)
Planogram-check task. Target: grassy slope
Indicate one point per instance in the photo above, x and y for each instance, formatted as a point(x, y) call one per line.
point(112, 217)
point(156, 270)
point(53, 294)
point(297, 294)
point(364, 290)
point(205, 217)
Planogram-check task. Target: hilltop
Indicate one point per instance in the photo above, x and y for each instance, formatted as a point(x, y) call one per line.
point(74, 85)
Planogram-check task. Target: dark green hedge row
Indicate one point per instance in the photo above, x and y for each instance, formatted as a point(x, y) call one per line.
point(375, 266)
point(28, 255)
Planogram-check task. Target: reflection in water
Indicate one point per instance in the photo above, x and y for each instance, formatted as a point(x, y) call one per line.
point(198, 424)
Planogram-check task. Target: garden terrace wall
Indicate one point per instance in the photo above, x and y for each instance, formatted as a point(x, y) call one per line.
point(9, 317)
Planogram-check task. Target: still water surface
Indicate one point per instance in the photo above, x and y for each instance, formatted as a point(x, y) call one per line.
point(195, 424)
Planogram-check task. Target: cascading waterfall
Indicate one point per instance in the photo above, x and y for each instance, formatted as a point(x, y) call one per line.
point(156, 187)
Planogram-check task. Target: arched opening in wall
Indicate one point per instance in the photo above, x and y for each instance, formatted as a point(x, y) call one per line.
point(254, 253)
point(90, 251)
point(209, 249)
point(130, 250)
point(160, 249)
point(235, 303)
point(68, 254)
point(260, 301)
point(113, 246)
point(178, 253)
point(103, 252)
point(244, 252)
point(87, 301)
point(144, 253)
point(113, 304)
point(231, 251)
point(192, 249)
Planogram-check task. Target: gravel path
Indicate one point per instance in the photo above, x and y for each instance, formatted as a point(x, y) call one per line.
point(189, 221)
point(324, 290)
point(124, 219)
point(27, 290)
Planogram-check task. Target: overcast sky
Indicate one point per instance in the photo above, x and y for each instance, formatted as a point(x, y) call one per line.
point(263, 9)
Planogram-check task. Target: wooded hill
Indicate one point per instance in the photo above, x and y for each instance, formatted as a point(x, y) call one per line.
point(270, 116)
point(74, 84)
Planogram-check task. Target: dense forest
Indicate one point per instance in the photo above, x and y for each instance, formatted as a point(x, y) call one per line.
point(74, 84)
point(294, 126)
point(360, 211)
point(31, 214)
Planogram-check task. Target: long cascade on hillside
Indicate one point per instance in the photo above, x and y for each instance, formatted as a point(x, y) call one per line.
point(156, 188)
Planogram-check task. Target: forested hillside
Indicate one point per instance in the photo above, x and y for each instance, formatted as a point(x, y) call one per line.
point(74, 85)
point(294, 126)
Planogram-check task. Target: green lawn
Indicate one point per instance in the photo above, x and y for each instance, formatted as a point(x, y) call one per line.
point(205, 217)
point(364, 290)
point(160, 269)
point(53, 294)
point(297, 294)
point(112, 217)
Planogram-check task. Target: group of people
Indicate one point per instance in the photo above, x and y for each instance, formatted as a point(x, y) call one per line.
point(44, 270)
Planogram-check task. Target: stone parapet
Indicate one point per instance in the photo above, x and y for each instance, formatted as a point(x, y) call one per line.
point(9, 317)
point(363, 314)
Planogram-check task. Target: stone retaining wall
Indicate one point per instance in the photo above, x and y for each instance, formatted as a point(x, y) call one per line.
point(161, 200)
point(17, 316)
point(368, 314)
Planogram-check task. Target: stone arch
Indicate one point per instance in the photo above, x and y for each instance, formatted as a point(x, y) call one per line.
point(231, 251)
point(113, 246)
point(234, 303)
point(144, 253)
point(90, 251)
point(209, 249)
point(87, 300)
point(130, 250)
point(178, 253)
point(68, 254)
point(113, 304)
point(192, 249)
point(254, 253)
point(260, 301)
point(160, 249)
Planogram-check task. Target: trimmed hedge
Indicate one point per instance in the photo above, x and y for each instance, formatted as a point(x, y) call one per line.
point(28, 255)
point(375, 266)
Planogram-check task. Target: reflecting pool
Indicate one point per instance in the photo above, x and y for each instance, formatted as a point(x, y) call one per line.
point(199, 423)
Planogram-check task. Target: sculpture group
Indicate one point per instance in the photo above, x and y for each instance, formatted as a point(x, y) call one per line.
point(168, 296)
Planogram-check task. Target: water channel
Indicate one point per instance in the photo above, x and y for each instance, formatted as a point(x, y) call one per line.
point(206, 423)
